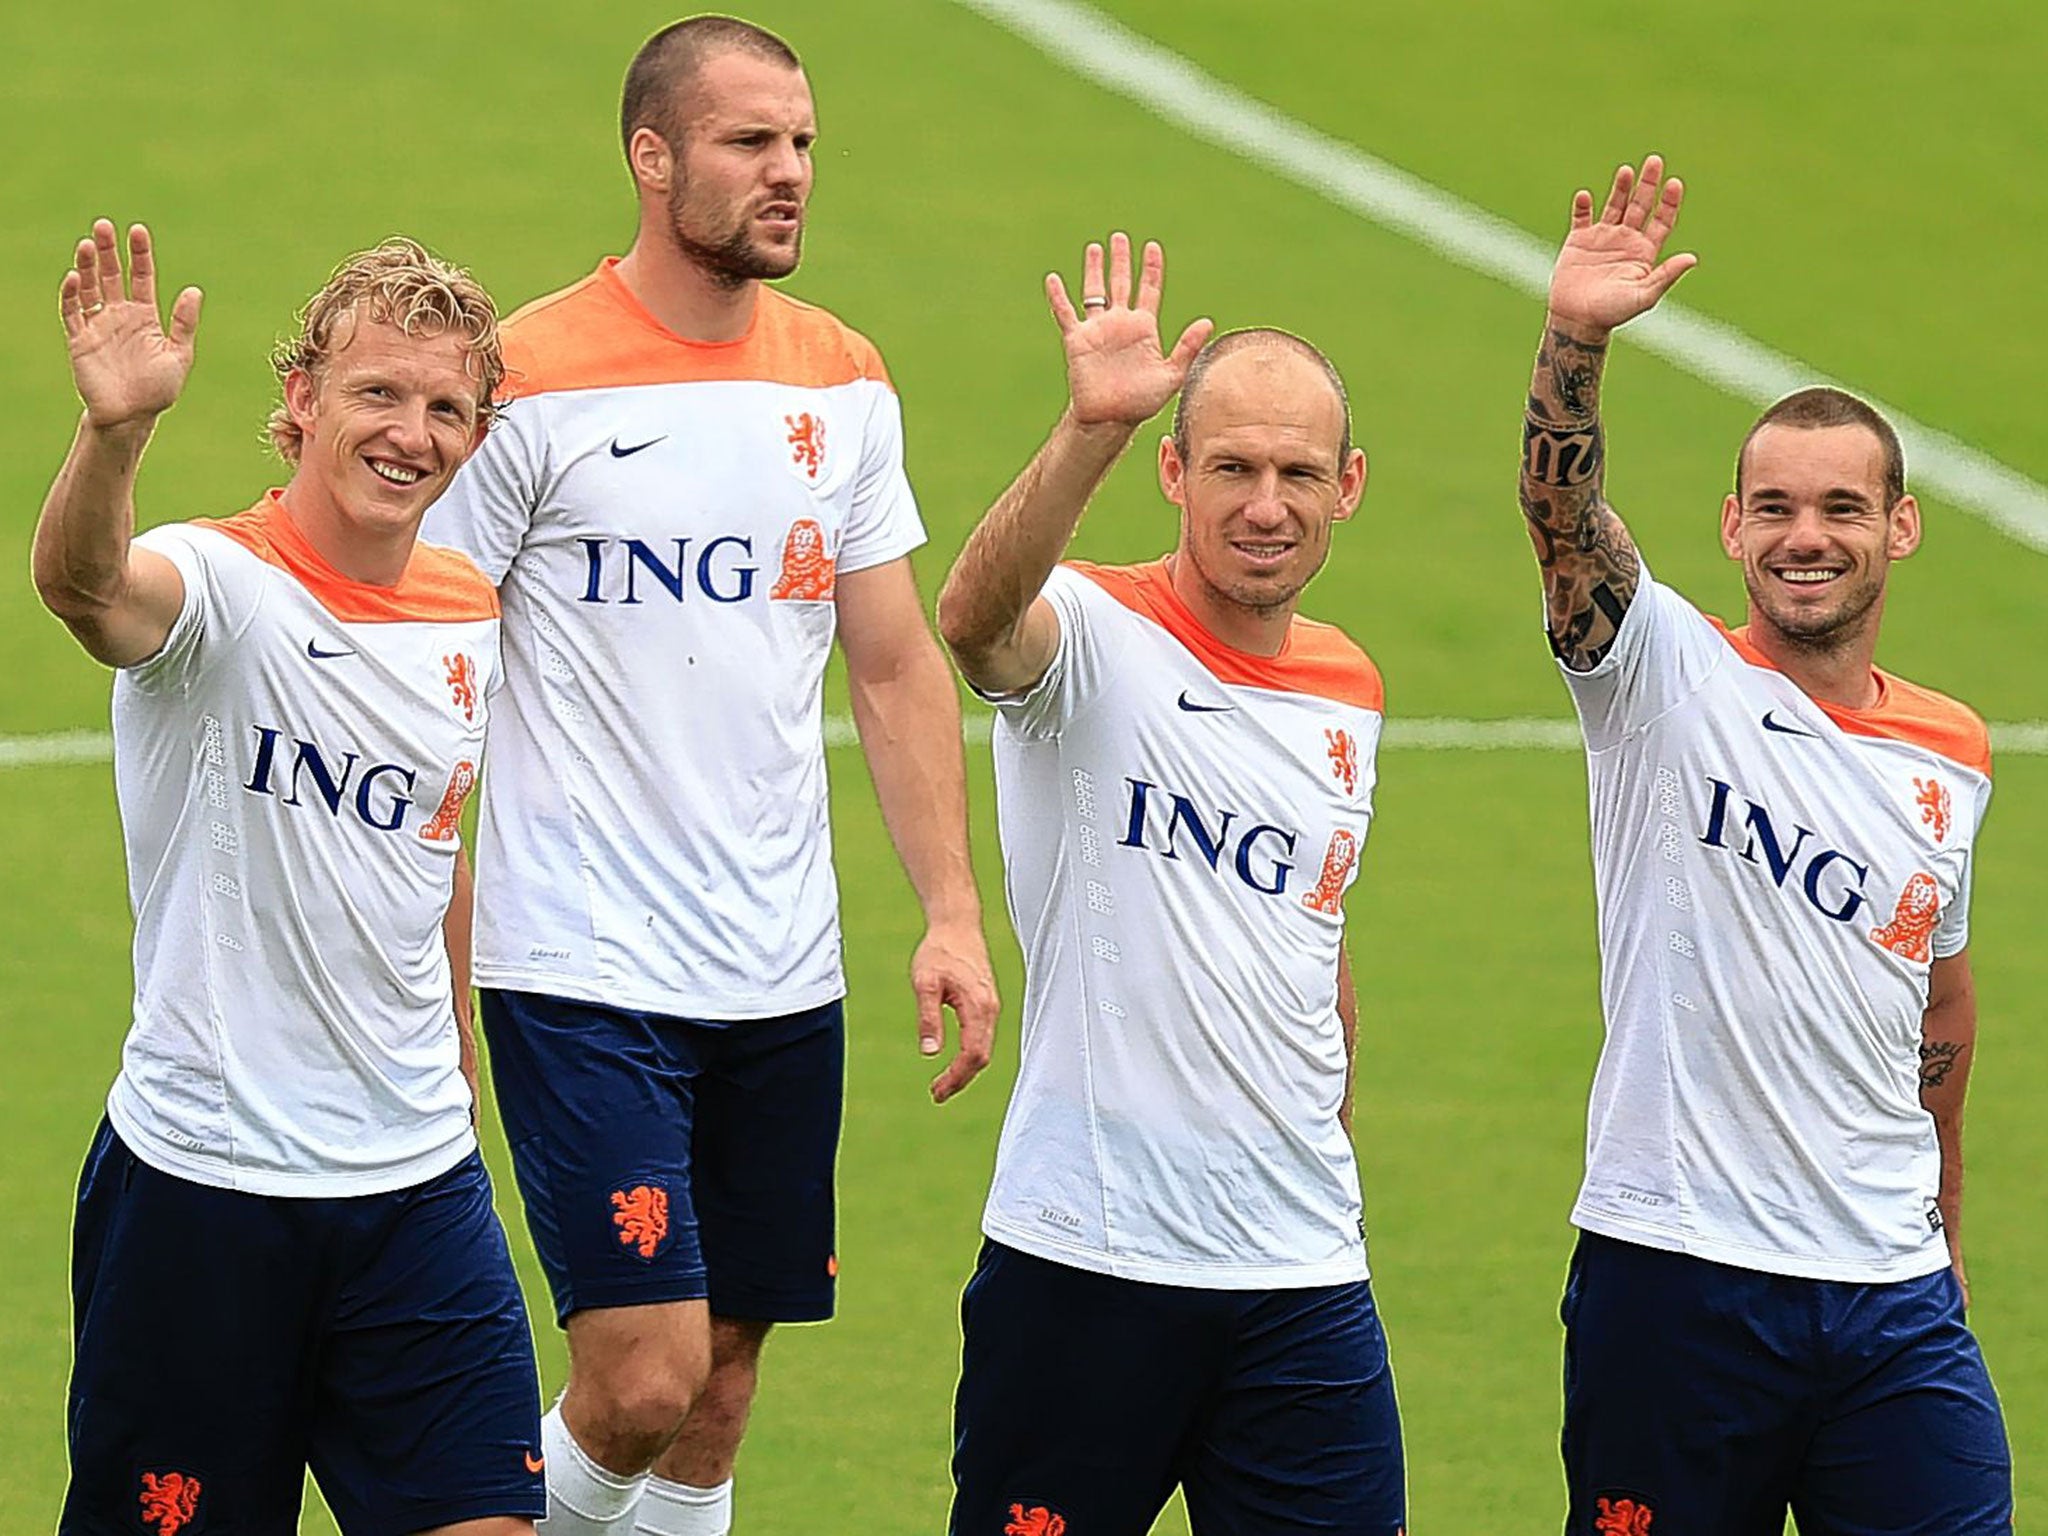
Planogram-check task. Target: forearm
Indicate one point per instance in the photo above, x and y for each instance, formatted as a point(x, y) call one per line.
point(908, 718)
point(1590, 567)
point(1347, 1016)
point(1944, 1083)
point(456, 936)
point(987, 598)
point(80, 556)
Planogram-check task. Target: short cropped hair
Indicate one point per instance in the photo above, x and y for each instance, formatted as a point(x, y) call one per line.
point(398, 283)
point(1222, 346)
point(1825, 406)
point(668, 61)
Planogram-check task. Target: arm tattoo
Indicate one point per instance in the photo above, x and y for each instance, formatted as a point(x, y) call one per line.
point(1590, 566)
point(1937, 1059)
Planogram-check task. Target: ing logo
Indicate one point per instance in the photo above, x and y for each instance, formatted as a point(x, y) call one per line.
point(809, 574)
point(1910, 933)
point(169, 1501)
point(640, 1215)
point(806, 445)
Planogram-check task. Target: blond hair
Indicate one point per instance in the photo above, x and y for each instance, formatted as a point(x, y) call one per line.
point(398, 283)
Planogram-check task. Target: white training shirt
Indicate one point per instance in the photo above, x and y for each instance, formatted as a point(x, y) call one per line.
point(1775, 876)
point(1180, 822)
point(667, 520)
point(291, 767)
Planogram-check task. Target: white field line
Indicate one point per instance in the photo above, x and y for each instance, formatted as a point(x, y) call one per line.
point(2016, 738)
point(1099, 49)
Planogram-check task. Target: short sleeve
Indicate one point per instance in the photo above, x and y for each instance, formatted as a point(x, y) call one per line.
point(1080, 663)
point(223, 588)
point(883, 523)
point(487, 511)
point(1663, 653)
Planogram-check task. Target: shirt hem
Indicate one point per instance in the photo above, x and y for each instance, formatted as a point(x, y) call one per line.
point(1180, 1272)
point(312, 1184)
point(610, 994)
point(1797, 1266)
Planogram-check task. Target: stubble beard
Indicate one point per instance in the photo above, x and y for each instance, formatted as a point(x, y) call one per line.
point(1820, 634)
point(734, 260)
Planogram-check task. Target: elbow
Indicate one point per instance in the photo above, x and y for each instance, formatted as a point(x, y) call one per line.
point(955, 620)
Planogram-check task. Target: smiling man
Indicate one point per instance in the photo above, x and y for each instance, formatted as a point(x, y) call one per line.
point(1765, 1308)
point(1173, 1290)
point(698, 487)
point(285, 1252)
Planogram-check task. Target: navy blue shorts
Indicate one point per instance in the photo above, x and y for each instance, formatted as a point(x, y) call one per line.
point(1085, 1399)
point(1709, 1400)
point(673, 1159)
point(224, 1342)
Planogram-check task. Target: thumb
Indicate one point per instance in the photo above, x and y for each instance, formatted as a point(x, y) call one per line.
point(185, 317)
point(1191, 342)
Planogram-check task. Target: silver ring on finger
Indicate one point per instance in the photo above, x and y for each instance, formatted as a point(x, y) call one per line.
point(93, 309)
point(1095, 301)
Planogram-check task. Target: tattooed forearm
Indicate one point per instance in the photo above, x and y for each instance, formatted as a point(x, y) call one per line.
point(1590, 567)
point(1937, 1060)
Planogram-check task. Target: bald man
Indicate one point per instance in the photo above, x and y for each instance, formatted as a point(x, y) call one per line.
point(1173, 1290)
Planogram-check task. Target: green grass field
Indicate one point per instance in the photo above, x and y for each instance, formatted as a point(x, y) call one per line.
point(1868, 195)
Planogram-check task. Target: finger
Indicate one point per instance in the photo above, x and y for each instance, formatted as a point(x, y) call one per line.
point(1062, 306)
point(1191, 342)
point(1120, 269)
point(1644, 197)
point(1091, 275)
point(1669, 272)
point(108, 248)
point(185, 317)
point(68, 309)
point(85, 264)
point(141, 266)
point(931, 1024)
point(1152, 277)
point(1582, 208)
point(1617, 194)
point(1665, 216)
point(976, 1016)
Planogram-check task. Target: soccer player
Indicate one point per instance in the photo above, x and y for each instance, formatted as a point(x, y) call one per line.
point(1765, 1308)
point(1173, 1290)
point(285, 1253)
point(700, 484)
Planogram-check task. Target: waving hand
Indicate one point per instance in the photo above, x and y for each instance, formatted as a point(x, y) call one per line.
point(128, 368)
point(1117, 371)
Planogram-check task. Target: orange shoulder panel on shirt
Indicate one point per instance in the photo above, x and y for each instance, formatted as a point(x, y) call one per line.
point(1319, 660)
point(1904, 711)
point(440, 586)
point(595, 335)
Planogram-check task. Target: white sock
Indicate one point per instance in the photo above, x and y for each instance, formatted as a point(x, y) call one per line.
point(677, 1509)
point(583, 1498)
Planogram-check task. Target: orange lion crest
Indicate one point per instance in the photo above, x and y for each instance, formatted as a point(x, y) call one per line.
point(443, 827)
point(462, 683)
point(169, 1502)
point(1935, 806)
point(641, 1215)
point(1908, 934)
point(1035, 1521)
point(1623, 1517)
point(809, 575)
point(1338, 859)
point(1343, 759)
point(806, 444)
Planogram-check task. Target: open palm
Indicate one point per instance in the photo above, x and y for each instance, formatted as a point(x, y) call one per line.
point(127, 366)
point(1609, 271)
point(1117, 371)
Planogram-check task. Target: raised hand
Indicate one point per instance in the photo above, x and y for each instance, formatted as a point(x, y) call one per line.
point(1609, 272)
point(128, 368)
point(1117, 371)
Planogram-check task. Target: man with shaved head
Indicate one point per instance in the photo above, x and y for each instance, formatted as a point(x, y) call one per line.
point(699, 486)
point(1173, 1287)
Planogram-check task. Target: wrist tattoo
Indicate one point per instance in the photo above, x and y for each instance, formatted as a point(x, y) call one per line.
point(1938, 1059)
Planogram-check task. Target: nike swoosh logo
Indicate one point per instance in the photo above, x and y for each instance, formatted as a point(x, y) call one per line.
point(627, 453)
point(535, 1463)
point(1772, 723)
point(1193, 708)
point(313, 650)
